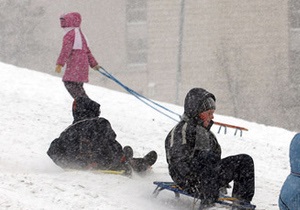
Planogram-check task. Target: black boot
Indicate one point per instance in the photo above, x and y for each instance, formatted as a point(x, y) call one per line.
point(128, 152)
point(143, 164)
point(151, 158)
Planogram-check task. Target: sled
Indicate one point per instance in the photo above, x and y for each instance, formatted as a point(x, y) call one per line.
point(225, 126)
point(101, 171)
point(120, 172)
point(223, 200)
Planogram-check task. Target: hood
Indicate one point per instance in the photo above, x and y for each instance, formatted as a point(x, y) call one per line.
point(194, 99)
point(72, 19)
point(295, 154)
point(85, 108)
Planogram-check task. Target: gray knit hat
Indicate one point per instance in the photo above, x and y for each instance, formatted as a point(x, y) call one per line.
point(208, 104)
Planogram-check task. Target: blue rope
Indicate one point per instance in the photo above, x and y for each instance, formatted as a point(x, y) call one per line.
point(140, 97)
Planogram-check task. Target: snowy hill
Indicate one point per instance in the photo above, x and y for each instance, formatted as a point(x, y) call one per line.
point(35, 108)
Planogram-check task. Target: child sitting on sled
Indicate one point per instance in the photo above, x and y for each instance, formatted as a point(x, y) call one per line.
point(194, 155)
point(90, 143)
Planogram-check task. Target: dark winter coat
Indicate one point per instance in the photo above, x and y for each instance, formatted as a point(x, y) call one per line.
point(289, 198)
point(88, 140)
point(193, 153)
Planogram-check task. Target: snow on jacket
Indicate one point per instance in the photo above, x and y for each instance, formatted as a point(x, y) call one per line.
point(289, 198)
point(75, 53)
point(192, 151)
point(85, 142)
point(90, 139)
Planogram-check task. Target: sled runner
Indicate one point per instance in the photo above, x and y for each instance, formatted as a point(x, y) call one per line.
point(139, 165)
point(119, 172)
point(100, 171)
point(223, 199)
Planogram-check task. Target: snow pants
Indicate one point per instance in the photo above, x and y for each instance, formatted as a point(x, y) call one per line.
point(240, 170)
point(205, 181)
point(75, 89)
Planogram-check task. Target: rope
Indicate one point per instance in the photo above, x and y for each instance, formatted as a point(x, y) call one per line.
point(152, 104)
point(140, 97)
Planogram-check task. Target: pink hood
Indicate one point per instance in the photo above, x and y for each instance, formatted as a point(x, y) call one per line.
point(72, 19)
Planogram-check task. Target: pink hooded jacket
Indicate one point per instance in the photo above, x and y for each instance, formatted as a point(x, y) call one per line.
point(75, 52)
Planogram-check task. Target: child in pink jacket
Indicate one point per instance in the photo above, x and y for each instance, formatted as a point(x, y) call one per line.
point(75, 56)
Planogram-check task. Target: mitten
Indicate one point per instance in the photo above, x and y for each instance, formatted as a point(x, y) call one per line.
point(96, 68)
point(58, 68)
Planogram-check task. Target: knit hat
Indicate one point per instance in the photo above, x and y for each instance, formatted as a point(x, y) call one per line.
point(208, 104)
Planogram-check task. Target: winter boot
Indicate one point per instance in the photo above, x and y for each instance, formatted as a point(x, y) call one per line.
point(128, 153)
point(150, 158)
point(128, 169)
point(143, 164)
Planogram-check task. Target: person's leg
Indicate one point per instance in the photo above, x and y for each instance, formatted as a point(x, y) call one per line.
point(203, 181)
point(75, 89)
point(240, 169)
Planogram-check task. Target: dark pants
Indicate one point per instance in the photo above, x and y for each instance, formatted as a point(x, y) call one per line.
point(75, 89)
point(240, 170)
point(205, 181)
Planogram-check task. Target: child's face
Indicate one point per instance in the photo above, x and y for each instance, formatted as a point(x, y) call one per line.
point(72, 19)
point(207, 116)
point(63, 22)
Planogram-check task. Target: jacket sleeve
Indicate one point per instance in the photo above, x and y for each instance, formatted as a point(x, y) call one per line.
point(91, 58)
point(202, 141)
point(206, 148)
point(177, 155)
point(67, 47)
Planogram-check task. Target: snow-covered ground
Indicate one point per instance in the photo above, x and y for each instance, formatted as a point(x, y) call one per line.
point(35, 108)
